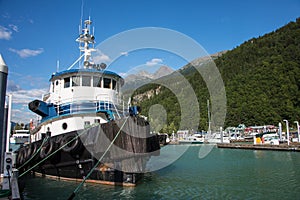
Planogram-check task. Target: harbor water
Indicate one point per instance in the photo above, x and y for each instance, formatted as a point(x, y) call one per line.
point(222, 174)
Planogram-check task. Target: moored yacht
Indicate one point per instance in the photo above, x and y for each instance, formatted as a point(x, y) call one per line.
point(192, 139)
point(20, 137)
point(217, 138)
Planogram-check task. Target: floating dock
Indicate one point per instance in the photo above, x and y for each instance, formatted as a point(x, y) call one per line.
point(280, 147)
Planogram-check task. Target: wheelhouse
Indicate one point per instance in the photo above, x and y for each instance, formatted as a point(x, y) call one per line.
point(86, 78)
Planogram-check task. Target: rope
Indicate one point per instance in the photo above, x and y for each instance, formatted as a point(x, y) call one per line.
point(45, 139)
point(84, 131)
point(91, 171)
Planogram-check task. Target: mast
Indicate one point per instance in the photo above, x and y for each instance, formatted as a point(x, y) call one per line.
point(86, 44)
point(208, 114)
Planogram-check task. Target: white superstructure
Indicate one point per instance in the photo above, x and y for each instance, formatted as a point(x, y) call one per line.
point(79, 97)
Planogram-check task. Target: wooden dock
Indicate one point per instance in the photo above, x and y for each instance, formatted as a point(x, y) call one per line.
point(280, 147)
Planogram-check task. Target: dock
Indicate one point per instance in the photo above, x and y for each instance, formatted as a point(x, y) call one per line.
point(280, 147)
point(9, 187)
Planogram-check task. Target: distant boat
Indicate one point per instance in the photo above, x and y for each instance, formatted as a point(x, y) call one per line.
point(192, 139)
point(20, 137)
point(216, 138)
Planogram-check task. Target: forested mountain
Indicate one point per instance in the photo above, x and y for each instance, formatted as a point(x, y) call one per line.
point(261, 78)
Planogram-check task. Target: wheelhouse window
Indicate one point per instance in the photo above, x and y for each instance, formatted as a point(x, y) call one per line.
point(97, 81)
point(86, 81)
point(52, 86)
point(67, 82)
point(75, 81)
point(114, 84)
point(107, 82)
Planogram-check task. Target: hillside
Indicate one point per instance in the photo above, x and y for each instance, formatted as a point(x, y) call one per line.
point(261, 78)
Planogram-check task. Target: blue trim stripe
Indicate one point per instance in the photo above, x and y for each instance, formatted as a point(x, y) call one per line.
point(104, 72)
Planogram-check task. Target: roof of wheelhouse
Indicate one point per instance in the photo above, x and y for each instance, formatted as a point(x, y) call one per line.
point(81, 71)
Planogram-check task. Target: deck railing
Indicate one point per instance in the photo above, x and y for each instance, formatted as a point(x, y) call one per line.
point(91, 107)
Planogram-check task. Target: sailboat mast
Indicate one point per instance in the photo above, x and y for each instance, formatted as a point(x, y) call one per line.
point(208, 115)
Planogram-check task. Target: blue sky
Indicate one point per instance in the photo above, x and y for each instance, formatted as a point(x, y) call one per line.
point(34, 34)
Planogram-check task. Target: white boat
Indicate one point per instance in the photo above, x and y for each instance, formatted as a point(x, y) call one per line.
point(273, 140)
point(20, 137)
point(216, 138)
point(192, 139)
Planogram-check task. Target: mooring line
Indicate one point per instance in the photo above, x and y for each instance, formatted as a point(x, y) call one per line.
point(45, 139)
point(53, 153)
point(91, 171)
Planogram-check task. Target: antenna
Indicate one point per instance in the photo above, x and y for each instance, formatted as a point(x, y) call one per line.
point(57, 65)
point(80, 32)
point(90, 13)
point(82, 3)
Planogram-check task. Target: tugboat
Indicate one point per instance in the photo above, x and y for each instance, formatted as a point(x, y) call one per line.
point(85, 129)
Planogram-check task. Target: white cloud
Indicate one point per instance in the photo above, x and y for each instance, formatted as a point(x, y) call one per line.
point(100, 57)
point(25, 96)
point(14, 27)
point(5, 15)
point(22, 115)
point(25, 53)
point(21, 97)
point(154, 61)
point(20, 100)
point(12, 86)
point(124, 53)
point(5, 33)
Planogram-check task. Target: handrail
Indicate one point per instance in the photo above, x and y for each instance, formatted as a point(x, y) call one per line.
point(117, 111)
point(88, 106)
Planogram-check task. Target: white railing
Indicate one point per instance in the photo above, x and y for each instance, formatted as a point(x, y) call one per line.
point(90, 106)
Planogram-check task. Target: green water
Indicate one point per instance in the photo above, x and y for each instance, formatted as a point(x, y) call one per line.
point(222, 174)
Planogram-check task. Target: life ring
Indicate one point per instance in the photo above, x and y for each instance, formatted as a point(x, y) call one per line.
point(47, 149)
point(72, 147)
point(58, 139)
point(30, 150)
point(21, 156)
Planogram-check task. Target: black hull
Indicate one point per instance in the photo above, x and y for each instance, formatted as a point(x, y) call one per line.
point(123, 164)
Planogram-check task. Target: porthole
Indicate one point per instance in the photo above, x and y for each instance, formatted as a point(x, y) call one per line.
point(64, 126)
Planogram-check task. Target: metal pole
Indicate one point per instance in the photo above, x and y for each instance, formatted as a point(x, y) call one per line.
point(3, 139)
point(298, 130)
point(221, 134)
point(3, 82)
point(287, 131)
point(208, 115)
point(8, 122)
point(280, 131)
